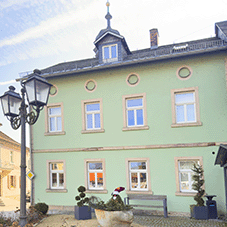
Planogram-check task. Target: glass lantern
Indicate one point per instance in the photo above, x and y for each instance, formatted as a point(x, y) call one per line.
point(11, 103)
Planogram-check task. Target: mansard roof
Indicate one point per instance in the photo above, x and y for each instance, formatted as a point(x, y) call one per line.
point(140, 56)
point(218, 43)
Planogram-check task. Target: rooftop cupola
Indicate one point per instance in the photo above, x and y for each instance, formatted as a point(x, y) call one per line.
point(110, 45)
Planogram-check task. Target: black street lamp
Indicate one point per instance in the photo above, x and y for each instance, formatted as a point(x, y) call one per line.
point(14, 108)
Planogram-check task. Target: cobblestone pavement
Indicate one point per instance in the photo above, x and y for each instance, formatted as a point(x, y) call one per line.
point(160, 221)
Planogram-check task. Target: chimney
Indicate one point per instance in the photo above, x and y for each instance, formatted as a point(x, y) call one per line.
point(154, 38)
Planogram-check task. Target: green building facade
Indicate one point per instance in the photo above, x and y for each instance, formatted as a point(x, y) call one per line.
point(135, 119)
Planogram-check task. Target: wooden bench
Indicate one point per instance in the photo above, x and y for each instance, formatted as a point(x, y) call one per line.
point(162, 198)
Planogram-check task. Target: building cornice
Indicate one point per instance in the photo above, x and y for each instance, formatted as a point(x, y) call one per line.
point(139, 147)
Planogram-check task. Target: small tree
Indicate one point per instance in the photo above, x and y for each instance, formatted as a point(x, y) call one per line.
point(198, 183)
point(81, 197)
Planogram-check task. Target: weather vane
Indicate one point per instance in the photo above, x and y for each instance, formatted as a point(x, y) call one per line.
point(108, 16)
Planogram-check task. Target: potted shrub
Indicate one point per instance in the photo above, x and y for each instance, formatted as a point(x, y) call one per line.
point(82, 211)
point(198, 211)
point(114, 212)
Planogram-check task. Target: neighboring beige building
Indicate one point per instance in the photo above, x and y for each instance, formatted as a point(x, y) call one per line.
point(10, 155)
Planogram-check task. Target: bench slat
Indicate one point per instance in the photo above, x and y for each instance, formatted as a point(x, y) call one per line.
point(162, 198)
point(146, 206)
point(146, 197)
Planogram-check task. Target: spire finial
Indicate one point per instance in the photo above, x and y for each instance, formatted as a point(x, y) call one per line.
point(108, 6)
point(108, 16)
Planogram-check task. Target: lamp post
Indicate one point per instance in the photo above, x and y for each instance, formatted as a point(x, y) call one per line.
point(14, 108)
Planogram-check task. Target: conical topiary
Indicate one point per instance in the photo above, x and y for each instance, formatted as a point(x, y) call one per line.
point(198, 183)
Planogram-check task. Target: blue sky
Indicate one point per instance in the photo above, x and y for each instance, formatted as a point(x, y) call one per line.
point(41, 33)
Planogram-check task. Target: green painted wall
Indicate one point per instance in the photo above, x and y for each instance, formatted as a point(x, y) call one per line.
point(162, 170)
point(156, 80)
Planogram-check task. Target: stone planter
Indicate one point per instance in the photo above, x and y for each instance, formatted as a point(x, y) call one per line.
point(199, 212)
point(114, 218)
point(82, 213)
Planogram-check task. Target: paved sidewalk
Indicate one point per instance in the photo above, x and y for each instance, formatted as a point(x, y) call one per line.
point(139, 221)
point(160, 221)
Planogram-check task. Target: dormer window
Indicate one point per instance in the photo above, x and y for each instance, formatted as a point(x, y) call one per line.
point(110, 53)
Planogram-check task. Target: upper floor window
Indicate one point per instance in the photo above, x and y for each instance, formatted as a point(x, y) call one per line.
point(54, 119)
point(92, 116)
point(110, 53)
point(134, 107)
point(185, 107)
point(55, 122)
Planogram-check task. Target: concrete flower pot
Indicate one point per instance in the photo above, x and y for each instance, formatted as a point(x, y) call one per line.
point(114, 218)
point(199, 212)
point(82, 213)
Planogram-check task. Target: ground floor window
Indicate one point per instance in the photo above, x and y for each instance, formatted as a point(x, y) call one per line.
point(138, 175)
point(56, 174)
point(95, 175)
point(184, 173)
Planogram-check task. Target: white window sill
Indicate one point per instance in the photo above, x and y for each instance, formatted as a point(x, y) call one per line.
point(93, 131)
point(54, 133)
point(57, 190)
point(192, 194)
point(175, 125)
point(139, 192)
point(104, 191)
point(145, 127)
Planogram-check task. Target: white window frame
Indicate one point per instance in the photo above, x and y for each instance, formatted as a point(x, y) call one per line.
point(47, 119)
point(92, 113)
point(84, 116)
point(110, 59)
point(197, 121)
point(177, 161)
point(58, 188)
point(131, 190)
point(125, 112)
point(103, 171)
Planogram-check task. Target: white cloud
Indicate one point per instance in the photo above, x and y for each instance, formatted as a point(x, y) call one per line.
point(52, 25)
point(7, 82)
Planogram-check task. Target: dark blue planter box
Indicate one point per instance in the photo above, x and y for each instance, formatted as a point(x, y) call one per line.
point(199, 212)
point(82, 213)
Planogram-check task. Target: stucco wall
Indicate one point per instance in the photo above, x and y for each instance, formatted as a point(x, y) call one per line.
point(156, 80)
